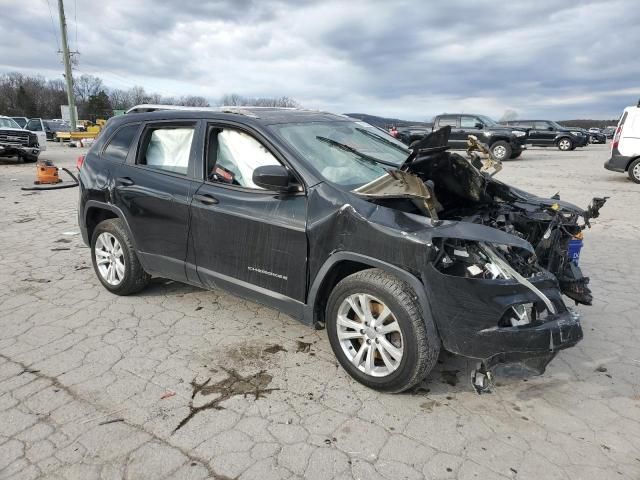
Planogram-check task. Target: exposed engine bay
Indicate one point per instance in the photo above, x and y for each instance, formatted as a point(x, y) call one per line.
point(447, 186)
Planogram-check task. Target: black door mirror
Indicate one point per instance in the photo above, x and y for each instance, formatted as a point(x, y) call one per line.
point(272, 177)
point(550, 128)
point(479, 125)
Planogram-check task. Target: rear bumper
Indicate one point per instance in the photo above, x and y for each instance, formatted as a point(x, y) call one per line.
point(617, 163)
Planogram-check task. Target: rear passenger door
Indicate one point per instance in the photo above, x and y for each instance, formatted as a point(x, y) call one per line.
point(456, 137)
point(541, 135)
point(247, 239)
point(153, 188)
point(469, 126)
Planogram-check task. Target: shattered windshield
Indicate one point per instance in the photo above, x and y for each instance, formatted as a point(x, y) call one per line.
point(347, 153)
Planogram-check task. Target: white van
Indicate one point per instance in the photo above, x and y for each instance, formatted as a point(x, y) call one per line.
point(625, 147)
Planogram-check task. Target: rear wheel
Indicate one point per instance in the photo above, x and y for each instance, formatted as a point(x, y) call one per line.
point(515, 155)
point(634, 170)
point(565, 144)
point(501, 150)
point(114, 259)
point(378, 332)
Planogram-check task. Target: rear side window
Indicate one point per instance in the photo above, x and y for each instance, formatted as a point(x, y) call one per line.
point(119, 145)
point(443, 122)
point(167, 148)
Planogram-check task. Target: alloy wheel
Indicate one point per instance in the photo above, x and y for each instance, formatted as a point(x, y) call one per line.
point(109, 258)
point(564, 144)
point(636, 171)
point(499, 152)
point(369, 335)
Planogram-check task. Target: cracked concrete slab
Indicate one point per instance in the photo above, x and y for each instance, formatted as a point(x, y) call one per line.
point(95, 386)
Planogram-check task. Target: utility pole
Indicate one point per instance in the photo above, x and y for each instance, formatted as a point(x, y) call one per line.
point(67, 68)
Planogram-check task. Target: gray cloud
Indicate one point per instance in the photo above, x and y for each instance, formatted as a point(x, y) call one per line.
point(405, 58)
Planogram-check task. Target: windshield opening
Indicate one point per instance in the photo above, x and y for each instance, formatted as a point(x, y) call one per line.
point(487, 121)
point(347, 153)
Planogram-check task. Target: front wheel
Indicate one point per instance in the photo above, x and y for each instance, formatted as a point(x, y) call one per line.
point(378, 332)
point(501, 150)
point(515, 155)
point(565, 144)
point(114, 259)
point(634, 171)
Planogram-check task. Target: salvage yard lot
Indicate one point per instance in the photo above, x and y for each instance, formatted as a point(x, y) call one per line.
point(178, 382)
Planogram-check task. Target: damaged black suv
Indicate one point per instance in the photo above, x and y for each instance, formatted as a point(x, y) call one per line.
point(398, 252)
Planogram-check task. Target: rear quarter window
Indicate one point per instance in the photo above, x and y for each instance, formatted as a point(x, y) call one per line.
point(118, 146)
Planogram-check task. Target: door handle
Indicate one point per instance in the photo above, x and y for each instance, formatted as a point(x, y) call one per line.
point(206, 199)
point(124, 181)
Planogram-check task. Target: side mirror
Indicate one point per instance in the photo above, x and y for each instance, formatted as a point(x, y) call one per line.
point(272, 177)
point(479, 125)
point(550, 129)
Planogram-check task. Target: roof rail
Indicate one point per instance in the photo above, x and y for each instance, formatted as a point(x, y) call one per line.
point(149, 107)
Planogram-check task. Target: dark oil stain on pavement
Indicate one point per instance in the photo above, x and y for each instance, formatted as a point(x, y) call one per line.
point(303, 347)
point(233, 385)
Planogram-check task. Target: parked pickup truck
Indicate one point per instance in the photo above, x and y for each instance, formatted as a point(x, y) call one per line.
point(504, 142)
point(17, 142)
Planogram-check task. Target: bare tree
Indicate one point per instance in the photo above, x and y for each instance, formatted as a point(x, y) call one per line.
point(85, 86)
point(509, 115)
point(119, 99)
point(240, 101)
point(193, 101)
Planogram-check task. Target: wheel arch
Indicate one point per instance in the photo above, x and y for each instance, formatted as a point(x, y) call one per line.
point(342, 264)
point(631, 160)
point(96, 212)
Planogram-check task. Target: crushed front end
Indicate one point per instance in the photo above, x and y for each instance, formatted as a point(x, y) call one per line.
point(501, 258)
point(494, 303)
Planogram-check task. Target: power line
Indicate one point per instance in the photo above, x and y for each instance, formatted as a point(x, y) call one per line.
point(75, 20)
point(53, 26)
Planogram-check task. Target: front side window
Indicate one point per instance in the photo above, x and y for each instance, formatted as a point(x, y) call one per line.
point(541, 125)
point(468, 122)
point(349, 154)
point(167, 148)
point(233, 155)
point(118, 146)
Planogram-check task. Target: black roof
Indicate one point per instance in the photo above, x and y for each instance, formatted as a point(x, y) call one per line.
point(260, 115)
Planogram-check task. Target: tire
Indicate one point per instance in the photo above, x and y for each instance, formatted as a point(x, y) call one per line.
point(29, 158)
point(634, 170)
point(412, 336)
point(501, 150)
point(515, 155)
point(128, 275)
point(565, 144)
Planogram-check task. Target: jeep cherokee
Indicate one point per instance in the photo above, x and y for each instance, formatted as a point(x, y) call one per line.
point(398, 252)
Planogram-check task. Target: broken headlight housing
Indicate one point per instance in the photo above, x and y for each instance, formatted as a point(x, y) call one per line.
point(486, 261)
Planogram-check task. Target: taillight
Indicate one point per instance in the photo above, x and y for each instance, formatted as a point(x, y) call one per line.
point(616, 138)
point(79, 162)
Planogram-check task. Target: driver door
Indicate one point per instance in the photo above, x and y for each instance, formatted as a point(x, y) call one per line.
point(244, 238)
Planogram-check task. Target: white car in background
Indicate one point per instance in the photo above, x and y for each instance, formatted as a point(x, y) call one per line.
point(17, 142)
point(625, 147)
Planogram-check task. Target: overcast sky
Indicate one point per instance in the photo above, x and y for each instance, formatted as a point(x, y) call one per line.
point(407, 59)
